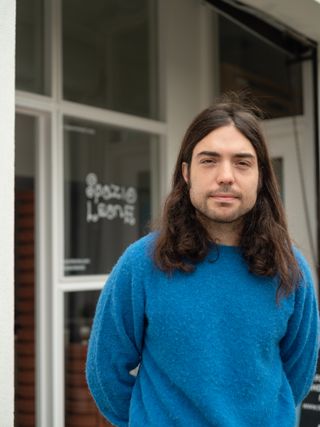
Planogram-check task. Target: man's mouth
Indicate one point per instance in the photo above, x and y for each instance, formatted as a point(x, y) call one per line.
point(224, 197)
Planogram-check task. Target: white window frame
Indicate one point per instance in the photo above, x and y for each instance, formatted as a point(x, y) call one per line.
point(42, 265)
point(52, 285)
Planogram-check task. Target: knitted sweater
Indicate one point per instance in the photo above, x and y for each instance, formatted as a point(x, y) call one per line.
point(214, 347)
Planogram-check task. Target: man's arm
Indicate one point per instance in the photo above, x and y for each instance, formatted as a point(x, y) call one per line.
point(115, 342)
point(299, 348)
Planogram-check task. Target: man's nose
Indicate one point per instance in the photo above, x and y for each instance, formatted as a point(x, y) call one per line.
point(225, 173)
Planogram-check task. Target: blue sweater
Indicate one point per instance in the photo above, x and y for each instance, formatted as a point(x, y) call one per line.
point(213, 346)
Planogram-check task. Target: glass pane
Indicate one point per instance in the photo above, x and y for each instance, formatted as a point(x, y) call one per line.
point(107, 184)
point(25, 383)
point(246, 61)
point(109, 55)
point(30, 47)
point(80, 409)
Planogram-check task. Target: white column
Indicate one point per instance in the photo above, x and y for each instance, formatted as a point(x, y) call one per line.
point(180, 71)
point(7, 75)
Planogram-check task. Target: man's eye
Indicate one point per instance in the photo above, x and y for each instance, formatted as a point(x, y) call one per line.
point(207, 161)
point(243, 164)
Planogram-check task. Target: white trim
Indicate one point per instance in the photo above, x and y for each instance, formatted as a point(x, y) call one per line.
point(73, 280)
point(83, 286)
point(57, 294)
point(43, 276)
point(34, 102)
point(42, 103)
point(59, 178)
point(58, 359)
point(112, 117)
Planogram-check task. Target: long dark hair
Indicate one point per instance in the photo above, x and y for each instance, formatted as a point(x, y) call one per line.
point(265, 243)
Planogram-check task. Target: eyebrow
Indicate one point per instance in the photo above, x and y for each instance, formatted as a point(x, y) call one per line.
point(216, 154)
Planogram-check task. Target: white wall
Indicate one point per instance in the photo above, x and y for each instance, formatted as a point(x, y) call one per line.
point(7, 46)
point(182, 63)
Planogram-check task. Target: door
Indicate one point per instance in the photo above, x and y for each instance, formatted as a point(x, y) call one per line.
point(32, 271)
point(25, 273)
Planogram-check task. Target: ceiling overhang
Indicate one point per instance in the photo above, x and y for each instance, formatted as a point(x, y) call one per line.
point(302, 16)
point(256, 17)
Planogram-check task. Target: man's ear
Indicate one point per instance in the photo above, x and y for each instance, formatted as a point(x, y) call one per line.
point(185, 172)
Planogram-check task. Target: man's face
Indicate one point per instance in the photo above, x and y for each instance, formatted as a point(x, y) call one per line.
point(223, 176)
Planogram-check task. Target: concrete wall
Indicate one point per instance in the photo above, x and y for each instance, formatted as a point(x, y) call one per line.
point(7, 72)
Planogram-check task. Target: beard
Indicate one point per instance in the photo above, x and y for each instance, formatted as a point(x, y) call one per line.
point(211, 212)
point(203, 216)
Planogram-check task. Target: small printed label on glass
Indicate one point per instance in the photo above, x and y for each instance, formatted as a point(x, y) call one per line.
point(76, 264)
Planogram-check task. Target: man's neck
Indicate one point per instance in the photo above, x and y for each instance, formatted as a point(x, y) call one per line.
point(224, 233)
point(224, 236)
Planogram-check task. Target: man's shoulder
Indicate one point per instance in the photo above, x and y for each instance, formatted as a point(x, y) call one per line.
point(142, 248)
point(137, 257)
point(300, 257)
point(304, 265)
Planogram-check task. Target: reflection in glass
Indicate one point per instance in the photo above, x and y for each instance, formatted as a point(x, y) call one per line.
point(80, 409)
point(25, 274)
point(30, 47)
point(107, 185)
point(109, 55)
point(248, 62)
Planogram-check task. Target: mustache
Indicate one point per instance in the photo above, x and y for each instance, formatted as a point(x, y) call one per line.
point(224, 189)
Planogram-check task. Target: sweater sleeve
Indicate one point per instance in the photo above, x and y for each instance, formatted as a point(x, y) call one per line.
point(299, 347)
point(115, 342)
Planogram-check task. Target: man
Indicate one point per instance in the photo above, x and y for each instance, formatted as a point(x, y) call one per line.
point(216, 307)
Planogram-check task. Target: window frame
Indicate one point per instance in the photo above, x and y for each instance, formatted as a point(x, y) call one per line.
point(53, 285)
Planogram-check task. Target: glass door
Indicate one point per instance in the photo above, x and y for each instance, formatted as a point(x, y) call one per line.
point(109, 182)
point(25, 272)
point(33, 379)
point(80, 409)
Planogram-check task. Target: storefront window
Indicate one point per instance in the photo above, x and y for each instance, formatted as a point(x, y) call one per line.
point(31, 62)
point(248, 62)
point(80, 407)
point(107, 189)
point(110, 55)
point(25, 272)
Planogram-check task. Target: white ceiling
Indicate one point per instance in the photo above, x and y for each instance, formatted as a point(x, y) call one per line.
point(301, 15)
